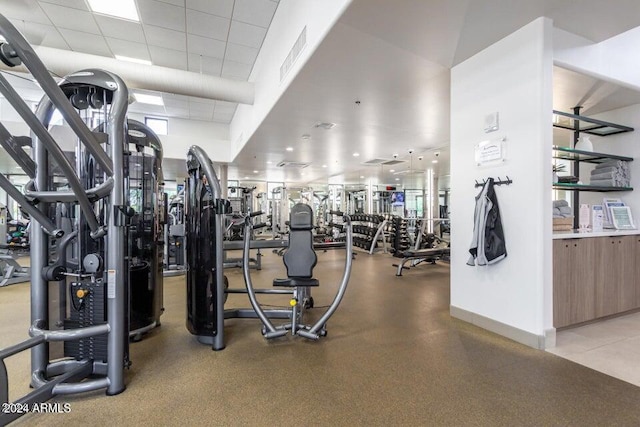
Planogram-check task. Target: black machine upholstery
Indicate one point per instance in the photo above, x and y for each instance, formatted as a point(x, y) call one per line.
point(299, 258)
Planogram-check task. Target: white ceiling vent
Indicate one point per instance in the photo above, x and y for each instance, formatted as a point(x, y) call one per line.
point(324, 125)
point(386, 162)
point(393, 162)
point(289, 164)
point(294, 53)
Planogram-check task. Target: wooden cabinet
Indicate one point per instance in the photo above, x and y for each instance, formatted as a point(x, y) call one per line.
point(573, 281)
point(594, 277)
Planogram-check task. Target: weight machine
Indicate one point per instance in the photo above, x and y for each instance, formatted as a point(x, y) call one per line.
point(86, 243)
point(207, 287)
point(174, 238)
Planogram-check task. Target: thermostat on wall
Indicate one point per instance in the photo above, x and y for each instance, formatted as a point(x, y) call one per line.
point(491, 122)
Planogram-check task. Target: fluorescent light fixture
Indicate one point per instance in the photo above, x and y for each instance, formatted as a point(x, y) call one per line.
point(434, 161)
point(143, 98)
point(246, 177)
point(392, 170)
point(324, 166)
point(361, 177)
point(356, 154)
point(397, 179)
point(135, 60)
point(289, 148)
point(123, 9)
point(269, 162)
point(255, 171)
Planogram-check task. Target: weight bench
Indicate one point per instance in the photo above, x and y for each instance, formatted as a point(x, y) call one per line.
point(421, 255)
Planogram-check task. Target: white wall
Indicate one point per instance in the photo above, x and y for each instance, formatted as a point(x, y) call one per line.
point(183, 133)
point(612, 59)
point(290, 18)
point(514, 78)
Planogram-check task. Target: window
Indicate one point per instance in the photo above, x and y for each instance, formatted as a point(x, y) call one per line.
point(159, 126)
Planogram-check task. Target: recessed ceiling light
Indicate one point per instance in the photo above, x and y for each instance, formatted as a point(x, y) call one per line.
point(255, 171)
point(246, 177)
point(392, 170)
point(124, 9)
point(434, 161)
point(301, 173)
point(289, 148)
point(134, 60)
point(361, 177)
point(324, 166)
point(143, 98)
point(269, 162)
point(397, 179)
point(356, 154)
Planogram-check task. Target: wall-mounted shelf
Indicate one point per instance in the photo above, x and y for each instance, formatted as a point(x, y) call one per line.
point(566, 153)
point(583, 187)
point(580, 124)
point(587, 124)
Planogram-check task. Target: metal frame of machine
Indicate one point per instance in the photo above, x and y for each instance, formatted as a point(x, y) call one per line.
point(80, 252)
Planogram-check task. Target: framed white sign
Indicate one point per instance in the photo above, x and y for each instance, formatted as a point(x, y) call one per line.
point(490, 151)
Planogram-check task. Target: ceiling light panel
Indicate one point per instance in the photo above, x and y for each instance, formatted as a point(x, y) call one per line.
point(144, 98)
point(135, 60)
point(123, 9)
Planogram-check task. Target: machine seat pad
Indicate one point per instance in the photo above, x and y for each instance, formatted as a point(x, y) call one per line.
point(293, 282)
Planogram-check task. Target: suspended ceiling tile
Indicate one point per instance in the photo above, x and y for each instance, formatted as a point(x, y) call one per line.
point(85, 42)
point(66, 17)
point(222, 117)
point(204, 46)
point(43, 35)
point(164, 37)
point(205, 64)
point(226, 107)
point(75, 4)
point(168, 57)
point(174, 2)
point(174, 97)
point(201, 103)
point(215, 7)
point(246, 34)
point(120, 29)
point(177, 112)
point(236, 70)
point(206, 25)
point(27, 10)
point(129, 49)
point(242, 54)
point(200, 116)
point(256, 12)
point(175, 103)
point(162, 14)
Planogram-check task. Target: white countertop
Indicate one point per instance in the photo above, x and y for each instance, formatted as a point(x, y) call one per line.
point(574, 234)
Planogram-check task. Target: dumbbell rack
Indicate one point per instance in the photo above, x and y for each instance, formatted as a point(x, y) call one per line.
point(401, 241)
point(368, 230)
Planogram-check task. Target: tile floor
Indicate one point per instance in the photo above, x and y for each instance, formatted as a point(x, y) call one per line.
point(611, 346)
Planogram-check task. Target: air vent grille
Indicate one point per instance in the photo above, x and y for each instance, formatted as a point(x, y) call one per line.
point(294, 53)
point(290, 164)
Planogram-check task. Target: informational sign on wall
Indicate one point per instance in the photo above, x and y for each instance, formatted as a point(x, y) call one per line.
point(489, 152)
